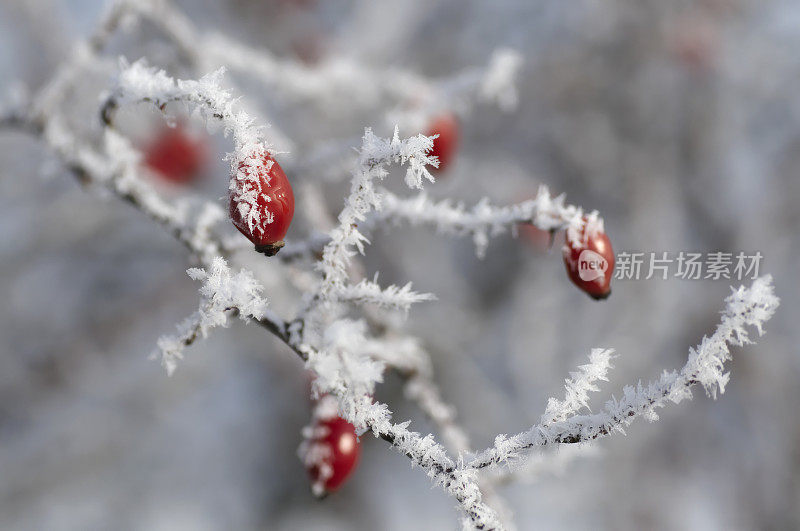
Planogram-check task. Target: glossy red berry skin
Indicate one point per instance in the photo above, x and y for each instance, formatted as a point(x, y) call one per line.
point(589, 259)
point(175, 155)
point(337, 438)
point(275, 199)
point(446, 145)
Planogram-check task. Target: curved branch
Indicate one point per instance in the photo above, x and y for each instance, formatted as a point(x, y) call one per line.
point(751, 306)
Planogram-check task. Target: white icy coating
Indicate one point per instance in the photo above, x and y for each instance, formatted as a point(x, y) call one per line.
point(341, 366)
point(498, 84)
point(370, 292)
point(484, 220)
point(346, 240)
point(579, 385)
point(578, 233)
point(249, 162)
point(339, 80)
point(745, 307)
point(222, 291)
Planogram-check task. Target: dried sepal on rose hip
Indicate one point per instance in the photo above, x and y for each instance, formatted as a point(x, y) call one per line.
point(330, 448)
point(261, 202)
point(446, 144)
point(589, 257)
point(176, 155)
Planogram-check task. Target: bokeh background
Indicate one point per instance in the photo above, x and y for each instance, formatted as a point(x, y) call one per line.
point(678, 120)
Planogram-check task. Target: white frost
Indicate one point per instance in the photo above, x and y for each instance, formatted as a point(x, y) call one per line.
point(221, 293)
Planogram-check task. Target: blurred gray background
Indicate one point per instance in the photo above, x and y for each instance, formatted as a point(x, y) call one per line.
point(678, 120)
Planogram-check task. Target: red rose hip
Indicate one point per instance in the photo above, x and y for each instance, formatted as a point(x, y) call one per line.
point(446, 145)
point(261, 202)
point(589, 257)
point(330, 454)
point(176, 155)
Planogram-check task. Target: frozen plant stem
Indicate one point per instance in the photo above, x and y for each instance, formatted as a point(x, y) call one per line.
point(745, 307)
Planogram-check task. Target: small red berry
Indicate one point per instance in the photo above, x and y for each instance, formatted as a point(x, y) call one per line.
point(589, 258)
point(446, 145)
point(262, 203)
point(175, 155)
point(331, 454)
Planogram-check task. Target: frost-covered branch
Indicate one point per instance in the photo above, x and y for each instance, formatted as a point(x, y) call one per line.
point(340, 80)
point(222, 292)
point(482, 220)
point(116, 168)
point(405, 355)
point(421, 390)
point(139, 82)
point(219, 299)
point(189, 41)
point(333, 82)
point(578, 386)
point(391, 346)
point(346, 240)
point(251, 157)
point(418, 99)
point(370, 292)
point(342, 366)
point(85, 54)
point(115, 165)
point(344, 370)
point(751, 306)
